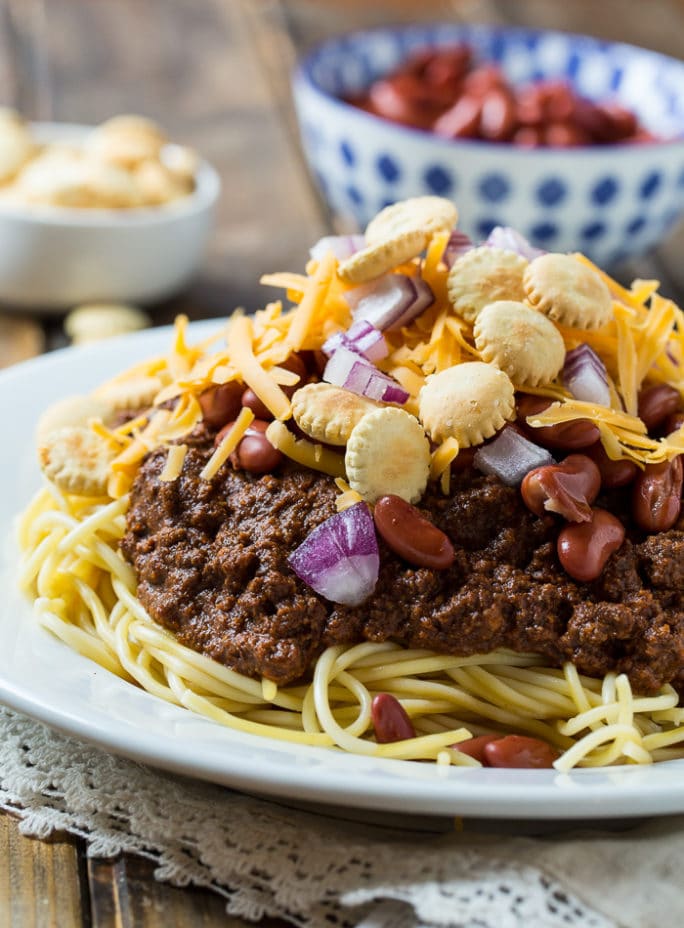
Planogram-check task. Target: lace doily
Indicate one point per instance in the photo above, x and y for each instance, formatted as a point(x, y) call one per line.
point(317, 871)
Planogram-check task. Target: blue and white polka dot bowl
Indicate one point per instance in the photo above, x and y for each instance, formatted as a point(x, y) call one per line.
point(612, 202)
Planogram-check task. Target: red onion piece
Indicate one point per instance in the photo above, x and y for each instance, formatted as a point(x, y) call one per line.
point(511, 240)
point(361, 337)
point(391, 301)
point(510, 456)
point(459, 243)
point(342, 246)
point(354, 372)
point(340, 558)
point(585, 376)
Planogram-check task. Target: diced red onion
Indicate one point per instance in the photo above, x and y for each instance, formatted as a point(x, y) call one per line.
point(585, 376)
point(511, 240)
point(342, 246)
point(391, 301)
point(361, 337)
point(510, 456)
point(340, 558)
point(459, 243)
point(354, 372)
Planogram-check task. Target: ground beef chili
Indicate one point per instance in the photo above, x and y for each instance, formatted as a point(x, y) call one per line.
point(211, 560)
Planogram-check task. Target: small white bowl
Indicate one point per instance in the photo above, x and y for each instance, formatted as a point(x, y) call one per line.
point(52, 258)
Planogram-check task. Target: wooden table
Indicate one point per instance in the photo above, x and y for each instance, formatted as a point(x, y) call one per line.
point(214, 73)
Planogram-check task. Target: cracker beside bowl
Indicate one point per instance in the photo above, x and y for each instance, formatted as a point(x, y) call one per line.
point(611, 201)
point(52, 258)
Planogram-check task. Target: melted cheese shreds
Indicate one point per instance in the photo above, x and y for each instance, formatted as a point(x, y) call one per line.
point(656, 334)
point(442, 457)
point(119, 483)
point(174, 463)
point(347, 497)
point(305, 452)
point(286, 280)
point(228, 444)
point(314, 296)
point(440, 463)
point(627, 361)
point(253, 374)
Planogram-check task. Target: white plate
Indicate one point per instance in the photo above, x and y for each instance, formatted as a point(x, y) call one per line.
point(42, 678)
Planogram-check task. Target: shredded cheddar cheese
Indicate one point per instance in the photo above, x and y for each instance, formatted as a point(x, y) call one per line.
point(240, 336)
point(305, 452)
point(174, 463)
point(228, 444)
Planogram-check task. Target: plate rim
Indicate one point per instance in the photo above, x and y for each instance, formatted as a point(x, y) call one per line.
point(301, 773)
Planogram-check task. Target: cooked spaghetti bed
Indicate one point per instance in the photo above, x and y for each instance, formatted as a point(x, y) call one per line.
point(86, 596)
point(95, 452)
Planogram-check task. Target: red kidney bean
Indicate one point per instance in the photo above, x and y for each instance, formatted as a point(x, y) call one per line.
point(584, 547)
point(567, 489)
point(673, 423)
point(254, 453)
point(566, 436)
point(619, 122)
point(462, 120)
point(474, 747)
point(528, 137)
point(390, 720)
point(410, 535)
point(220, 404)
point(483, 79)
point(520, 752)
point(656, 403)
point(438, 89)
point(497, 119)
point(565, 135)
point(657, 495)
point(559, 101)
point(252, 401)
point(613, 473)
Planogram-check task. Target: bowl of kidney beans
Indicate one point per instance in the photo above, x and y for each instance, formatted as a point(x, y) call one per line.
point(575, 141)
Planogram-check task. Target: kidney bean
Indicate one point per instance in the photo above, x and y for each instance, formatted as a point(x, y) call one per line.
point(390, 721)
point(567, 489)
point(613, 473)
point(296, 365)
point(528, 137)
point(221, 404)
point(483, 79)
point(673, 423)
point(462, 120)
point(474, 747)
point(566, 436)
point(497, 120)
point(252, 401)
point(445, 71)
point(559, 101)
point(388, 98)
point(657, 495)
point(584, 547)
point(565, 135)
point(410, 535)
point(656, 403)
point(520, 752)
point(254, 453)
point(619, 123)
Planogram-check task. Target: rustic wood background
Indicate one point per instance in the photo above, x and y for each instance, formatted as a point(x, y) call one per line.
point(214, 73)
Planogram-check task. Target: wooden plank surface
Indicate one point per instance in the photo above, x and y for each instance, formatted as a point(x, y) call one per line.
point(215, 73)
point(40, 881)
